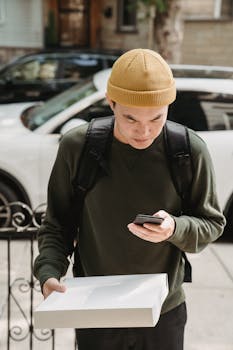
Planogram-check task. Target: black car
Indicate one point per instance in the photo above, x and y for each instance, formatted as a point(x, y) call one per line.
point(39, 76)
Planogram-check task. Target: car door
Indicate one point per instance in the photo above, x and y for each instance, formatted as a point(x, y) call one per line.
point(48, 151)
point(211, 115)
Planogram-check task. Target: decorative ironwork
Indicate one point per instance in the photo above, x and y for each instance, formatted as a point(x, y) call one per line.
point(20, 216)
point(22, 222)
point(18, 333)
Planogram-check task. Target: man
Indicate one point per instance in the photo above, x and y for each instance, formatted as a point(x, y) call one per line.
point(139, 91)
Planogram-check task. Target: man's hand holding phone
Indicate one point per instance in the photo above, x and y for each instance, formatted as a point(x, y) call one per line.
point(156, 228)
point(142, 219)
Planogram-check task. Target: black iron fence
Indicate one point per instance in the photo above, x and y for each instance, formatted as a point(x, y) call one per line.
point(20, 291)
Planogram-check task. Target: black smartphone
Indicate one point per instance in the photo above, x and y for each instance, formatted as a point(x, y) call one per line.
point(143, 218)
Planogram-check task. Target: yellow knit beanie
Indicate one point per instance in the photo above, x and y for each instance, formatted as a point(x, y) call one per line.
point(141, 77)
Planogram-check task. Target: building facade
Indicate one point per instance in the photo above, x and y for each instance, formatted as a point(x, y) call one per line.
point(29, 25)
point(21, 27)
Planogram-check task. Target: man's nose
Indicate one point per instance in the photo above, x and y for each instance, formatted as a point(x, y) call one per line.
point(144, 130)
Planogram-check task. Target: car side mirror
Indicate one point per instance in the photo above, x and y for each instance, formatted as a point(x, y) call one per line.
point(73, 123)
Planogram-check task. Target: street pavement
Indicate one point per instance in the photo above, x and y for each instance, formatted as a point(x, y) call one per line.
point(209, 300)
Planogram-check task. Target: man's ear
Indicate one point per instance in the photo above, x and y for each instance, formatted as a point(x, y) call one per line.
point(111, 103)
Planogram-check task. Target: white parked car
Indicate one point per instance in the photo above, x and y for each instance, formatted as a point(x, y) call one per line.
point(29, 137)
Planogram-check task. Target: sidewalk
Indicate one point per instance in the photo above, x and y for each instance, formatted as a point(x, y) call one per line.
point(209, 301)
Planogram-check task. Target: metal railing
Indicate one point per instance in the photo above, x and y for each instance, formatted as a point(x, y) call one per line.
point(19, 287)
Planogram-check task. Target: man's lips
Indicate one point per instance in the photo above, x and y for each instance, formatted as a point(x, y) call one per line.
point(141, 140)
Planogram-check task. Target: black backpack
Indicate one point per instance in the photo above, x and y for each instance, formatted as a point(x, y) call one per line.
point(94, 162)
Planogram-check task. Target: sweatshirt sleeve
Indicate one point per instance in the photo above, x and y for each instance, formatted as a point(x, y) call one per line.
point(52, 260)
point(206, 222)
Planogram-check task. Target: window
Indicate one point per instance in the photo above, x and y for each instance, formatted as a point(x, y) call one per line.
point(127, 15)
point(96, 110)
point(45, 69)
point(80, 67)
point(203, 111)
point(38, 116)
point(110, 61)
point(209, 9)
point(2, 11)
point(227, 9)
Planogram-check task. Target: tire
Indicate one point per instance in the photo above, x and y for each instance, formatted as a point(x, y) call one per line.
point(228, 231)
point(7, 195)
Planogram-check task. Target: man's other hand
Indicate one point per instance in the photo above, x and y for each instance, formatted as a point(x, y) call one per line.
point(51, 285)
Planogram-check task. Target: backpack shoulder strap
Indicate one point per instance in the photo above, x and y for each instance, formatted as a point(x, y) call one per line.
point(180, 161)
point(179, 156)
point(94, 154)
point(92, 160)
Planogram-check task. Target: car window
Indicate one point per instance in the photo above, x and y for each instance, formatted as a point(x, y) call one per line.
point(75, 68)
point(110, 61)
point(43, 69)
point(57, 104)
point(202, 111)
point(96, 110)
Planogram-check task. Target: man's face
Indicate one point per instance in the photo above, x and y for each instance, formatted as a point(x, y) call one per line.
point(138, 126)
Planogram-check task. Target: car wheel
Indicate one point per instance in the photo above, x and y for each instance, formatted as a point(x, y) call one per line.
point(7, 195)
point(228, 231)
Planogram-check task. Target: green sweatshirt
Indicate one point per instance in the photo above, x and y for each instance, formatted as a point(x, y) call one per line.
point(139, 181)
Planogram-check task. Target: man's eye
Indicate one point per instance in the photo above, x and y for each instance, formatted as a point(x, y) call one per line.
point(131, 120)
point(157, 119)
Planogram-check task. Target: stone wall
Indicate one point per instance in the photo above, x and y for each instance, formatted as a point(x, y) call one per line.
point(208, 42)
point(207, 8)
point(198, 8)
point(112, 38)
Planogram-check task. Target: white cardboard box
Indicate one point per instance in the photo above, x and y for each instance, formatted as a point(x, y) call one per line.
point(105, 301)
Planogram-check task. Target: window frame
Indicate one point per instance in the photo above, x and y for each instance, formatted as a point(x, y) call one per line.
point(121, 27)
